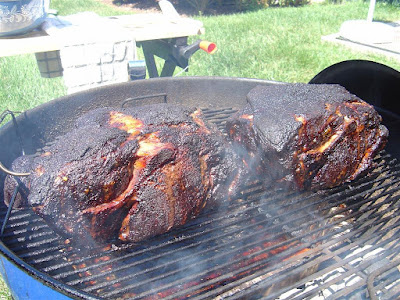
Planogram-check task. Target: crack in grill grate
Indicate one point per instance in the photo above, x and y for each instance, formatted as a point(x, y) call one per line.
point(276, 244)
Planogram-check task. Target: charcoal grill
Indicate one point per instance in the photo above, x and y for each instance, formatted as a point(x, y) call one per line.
point(341, 243)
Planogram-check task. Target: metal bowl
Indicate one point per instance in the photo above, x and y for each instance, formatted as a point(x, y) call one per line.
point(21, 16)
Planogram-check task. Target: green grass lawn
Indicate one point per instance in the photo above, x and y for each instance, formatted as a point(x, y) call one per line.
point(282, 44)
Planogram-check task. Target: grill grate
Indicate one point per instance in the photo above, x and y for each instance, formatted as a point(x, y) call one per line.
point(278, 244)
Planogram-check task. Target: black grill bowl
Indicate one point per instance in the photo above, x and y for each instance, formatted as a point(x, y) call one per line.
point(264, 243)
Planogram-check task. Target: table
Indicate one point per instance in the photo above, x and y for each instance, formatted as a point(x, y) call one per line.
point(144, 27)
point(157, 33)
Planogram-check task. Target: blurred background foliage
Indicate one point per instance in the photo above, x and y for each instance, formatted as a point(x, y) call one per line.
point(221, 6)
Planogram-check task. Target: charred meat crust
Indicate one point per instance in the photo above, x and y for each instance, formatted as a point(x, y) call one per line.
point(307, 136)
point(130, 174)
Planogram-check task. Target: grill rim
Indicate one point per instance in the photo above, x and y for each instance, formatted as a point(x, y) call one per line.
point(47, 279)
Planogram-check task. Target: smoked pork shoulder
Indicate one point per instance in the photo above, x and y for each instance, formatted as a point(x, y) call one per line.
point(305, 136)
point(129, 174)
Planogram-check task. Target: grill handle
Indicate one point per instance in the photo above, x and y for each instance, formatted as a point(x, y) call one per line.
point(3, 115)
point(9, 172)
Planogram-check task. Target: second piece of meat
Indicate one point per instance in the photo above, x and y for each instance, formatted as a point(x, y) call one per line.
point(306, 136)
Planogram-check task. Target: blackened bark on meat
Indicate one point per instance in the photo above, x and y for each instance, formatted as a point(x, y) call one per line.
point(130, 174)
point(307, 136)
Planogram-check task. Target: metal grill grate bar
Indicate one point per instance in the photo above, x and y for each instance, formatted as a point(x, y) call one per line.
point(327, 256)
point(336, 263)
